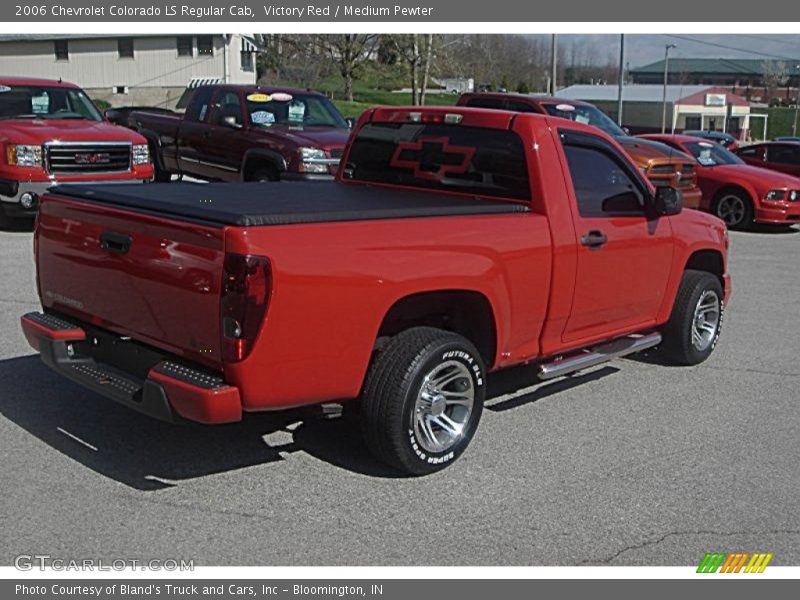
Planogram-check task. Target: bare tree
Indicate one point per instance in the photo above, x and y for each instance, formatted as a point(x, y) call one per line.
point(348, 51)
point(775, 75)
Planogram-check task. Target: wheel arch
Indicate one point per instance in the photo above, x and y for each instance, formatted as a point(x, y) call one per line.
point(708, 260)
point(737, 187)
point(257, 157)
point(466, 312)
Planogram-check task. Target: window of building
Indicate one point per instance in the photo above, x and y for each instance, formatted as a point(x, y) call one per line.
point(61, 48)
point(125, 47)
point(205, 45)
point(693, 122)
point(185, 46)
point(120, 89)
point(247, 60)
point(602, 185)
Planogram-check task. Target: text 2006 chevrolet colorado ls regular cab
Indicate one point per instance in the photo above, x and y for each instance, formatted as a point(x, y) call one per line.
point(455, 242)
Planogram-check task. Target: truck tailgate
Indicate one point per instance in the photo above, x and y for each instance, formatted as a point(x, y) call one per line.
point(153, 279)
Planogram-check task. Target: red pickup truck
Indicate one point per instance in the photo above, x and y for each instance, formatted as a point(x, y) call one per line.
point(455, 242)
point(246, 133)
point(51, 132)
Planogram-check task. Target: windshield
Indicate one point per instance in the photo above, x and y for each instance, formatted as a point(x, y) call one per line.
point(43, 102)
point(301, 110)
point(589, 115)
point(710, 154)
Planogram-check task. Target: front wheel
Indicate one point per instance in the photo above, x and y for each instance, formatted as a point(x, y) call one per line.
point(736, 209)
point(422, 400)
point(692, 331)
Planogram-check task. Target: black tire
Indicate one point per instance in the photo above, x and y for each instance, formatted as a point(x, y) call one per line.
point(742, 217)
point(5, 221)
point(160, 175)
point(678, 344)
point(392, 392)
point(264, 174)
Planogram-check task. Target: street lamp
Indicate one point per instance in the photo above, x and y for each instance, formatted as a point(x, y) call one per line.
point(667, 48)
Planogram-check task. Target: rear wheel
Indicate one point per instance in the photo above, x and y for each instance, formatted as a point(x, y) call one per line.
point(736, 209)
point(422, 400)
point(693, 329)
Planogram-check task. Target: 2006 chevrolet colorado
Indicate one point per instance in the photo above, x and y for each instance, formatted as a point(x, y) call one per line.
point(456, 241)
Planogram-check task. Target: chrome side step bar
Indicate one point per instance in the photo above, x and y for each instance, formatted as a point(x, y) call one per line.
point(598, 355)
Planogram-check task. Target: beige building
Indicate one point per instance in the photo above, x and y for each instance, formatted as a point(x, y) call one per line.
point(131, 70)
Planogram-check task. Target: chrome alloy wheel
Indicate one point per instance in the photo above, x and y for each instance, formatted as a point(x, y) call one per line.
point(705, 323)
point(443, 407)
point(731, 209)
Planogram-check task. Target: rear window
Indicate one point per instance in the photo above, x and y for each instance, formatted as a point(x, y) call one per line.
point(470, 160)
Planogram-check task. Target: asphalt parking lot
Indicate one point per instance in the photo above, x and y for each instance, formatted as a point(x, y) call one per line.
point(630, 464)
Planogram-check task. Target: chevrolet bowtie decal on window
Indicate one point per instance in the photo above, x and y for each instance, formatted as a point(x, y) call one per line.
point(432, 157)
point(734, 562)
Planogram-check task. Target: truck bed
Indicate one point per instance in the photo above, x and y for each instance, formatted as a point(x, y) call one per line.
point(259, 204)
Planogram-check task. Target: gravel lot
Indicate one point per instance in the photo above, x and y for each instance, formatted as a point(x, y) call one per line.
point(632, 463)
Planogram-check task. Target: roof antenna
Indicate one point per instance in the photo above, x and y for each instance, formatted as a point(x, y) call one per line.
point(59, 79)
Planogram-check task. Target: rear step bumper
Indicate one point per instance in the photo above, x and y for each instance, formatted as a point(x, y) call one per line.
point(170, 392)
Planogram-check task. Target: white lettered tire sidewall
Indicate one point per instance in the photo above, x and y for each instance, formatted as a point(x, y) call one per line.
point(469, 357)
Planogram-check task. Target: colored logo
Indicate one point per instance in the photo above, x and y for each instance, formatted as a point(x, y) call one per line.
point(92, 158)
point(734, 562)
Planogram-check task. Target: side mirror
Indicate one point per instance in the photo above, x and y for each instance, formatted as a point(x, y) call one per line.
point(351, 122)
point(668, 201)
point(232, 122)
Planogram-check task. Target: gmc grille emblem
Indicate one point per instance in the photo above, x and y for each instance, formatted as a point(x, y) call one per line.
point(92, 158)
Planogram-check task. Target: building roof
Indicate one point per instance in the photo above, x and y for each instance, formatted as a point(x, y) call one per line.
point(685, 94)
point(715, 66)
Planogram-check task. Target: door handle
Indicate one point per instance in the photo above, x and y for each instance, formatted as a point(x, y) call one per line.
point(118, 243)
point(594, 239)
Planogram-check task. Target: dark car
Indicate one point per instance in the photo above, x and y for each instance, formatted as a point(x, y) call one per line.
point(787, 138)
point(778, 156)
point(726, 139)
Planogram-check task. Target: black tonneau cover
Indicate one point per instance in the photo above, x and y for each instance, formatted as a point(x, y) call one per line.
point(252, 204)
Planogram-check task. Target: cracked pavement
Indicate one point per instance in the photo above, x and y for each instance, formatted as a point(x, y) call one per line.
point(631, 463)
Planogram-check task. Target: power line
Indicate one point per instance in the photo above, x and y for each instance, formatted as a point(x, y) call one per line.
point(753, 52)
point(768, 39)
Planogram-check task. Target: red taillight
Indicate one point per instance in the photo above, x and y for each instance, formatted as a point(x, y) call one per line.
point(246, 290)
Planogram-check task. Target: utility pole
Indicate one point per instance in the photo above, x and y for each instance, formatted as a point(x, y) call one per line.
point(667, 48)
point(796, 100)
point(554, 66)
point(621, 77)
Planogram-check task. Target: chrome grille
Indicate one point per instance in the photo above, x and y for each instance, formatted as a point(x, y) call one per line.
point(87, 157)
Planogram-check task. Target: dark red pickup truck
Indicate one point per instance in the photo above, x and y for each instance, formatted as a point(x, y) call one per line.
point(246, 133)
point(456, 242)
